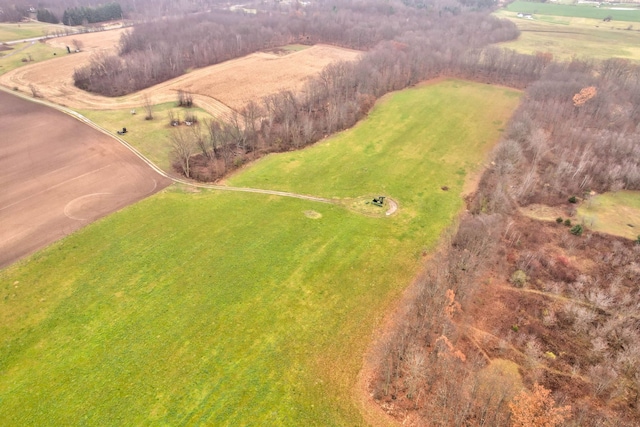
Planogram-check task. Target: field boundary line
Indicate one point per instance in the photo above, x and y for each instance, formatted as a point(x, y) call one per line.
point(158, 170)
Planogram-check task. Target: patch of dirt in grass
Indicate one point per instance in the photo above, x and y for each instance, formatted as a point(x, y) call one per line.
point(544, 212)
point(313, 214)
point(366, 206)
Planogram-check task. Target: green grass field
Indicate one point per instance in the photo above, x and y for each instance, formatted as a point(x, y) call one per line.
point(150, 137)
point(236, 309)
point(566, 37)
point(580, 11)
point(26, 30)
point(614, 213)
point(33, 52)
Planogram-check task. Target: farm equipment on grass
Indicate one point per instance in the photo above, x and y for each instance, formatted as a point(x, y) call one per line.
point(378, 201)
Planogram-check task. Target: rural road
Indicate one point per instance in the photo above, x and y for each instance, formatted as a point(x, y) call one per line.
point(35, 39)
point(32, 40)
point(393, 206)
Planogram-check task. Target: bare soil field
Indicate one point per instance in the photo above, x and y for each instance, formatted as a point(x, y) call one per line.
point(59, 175)
point(219, 89)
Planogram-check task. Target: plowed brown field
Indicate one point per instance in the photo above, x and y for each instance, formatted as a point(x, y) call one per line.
point(59, 175)
point(219, 89)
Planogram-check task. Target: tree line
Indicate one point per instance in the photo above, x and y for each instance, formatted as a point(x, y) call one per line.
point(16, 10)
point(90, 15)
point(344, 92)
point(341, 95)
point(160, 50)
point(45, 15)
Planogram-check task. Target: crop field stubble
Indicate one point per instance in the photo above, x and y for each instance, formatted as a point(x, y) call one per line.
point(254, 76)
point(219, 88)
point(234, 309)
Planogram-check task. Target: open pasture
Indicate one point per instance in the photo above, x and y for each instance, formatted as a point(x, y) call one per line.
point(580, 11)
point(149, 137)
point(220, 308)
point(567, 37)
point(59, 175)
point(22, 54)
point(26, 30)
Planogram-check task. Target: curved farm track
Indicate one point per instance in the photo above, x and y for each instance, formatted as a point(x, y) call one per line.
point(57, 86)
point(219, 89)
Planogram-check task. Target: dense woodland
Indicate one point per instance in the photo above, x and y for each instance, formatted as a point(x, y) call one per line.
point(91, 15)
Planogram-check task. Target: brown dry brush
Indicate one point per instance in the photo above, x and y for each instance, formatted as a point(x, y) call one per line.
point(546, 154)
point(576, 131)
point(427, 365)
point(594, 327)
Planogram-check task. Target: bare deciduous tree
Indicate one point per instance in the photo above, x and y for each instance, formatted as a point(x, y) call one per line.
point(77, 44)
point(537, 408)
point(183, 147)
point(148, 108)
point(34, 91)
point(185, 99)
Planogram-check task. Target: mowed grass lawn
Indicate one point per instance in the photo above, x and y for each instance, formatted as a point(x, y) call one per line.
point(614, 213)
point(225, 308)
point(150, 137)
